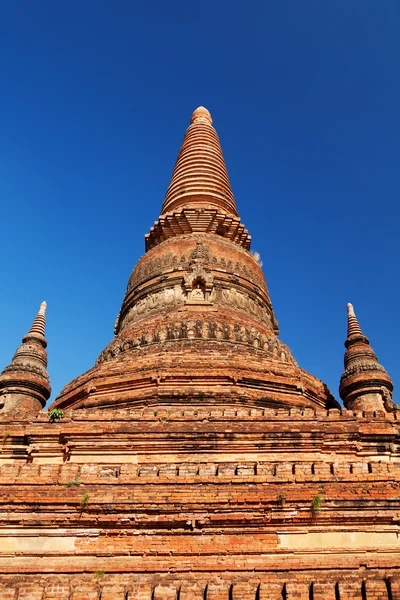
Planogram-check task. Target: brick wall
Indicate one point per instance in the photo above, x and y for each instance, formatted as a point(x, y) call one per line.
point(207, 502)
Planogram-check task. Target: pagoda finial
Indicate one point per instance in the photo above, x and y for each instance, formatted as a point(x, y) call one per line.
point(24, 383)
point(201, 113)
point(200, 178)
point(353, 326)
point(365, 384)
point(39, 323)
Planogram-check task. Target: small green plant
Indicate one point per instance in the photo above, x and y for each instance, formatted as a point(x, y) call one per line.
point(6, 435)
point(84, 501)
point(72, 482)
point(56, 413)
point(155, 413)
point(99, 574)
point(316, 504)
point(282, 498)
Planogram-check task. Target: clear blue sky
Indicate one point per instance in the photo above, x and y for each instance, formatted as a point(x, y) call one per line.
point(95, 98)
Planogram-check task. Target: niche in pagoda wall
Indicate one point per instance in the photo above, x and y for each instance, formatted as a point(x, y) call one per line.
point(198, 285)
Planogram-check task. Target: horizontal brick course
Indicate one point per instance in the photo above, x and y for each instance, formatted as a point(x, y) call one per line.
point(196, 460)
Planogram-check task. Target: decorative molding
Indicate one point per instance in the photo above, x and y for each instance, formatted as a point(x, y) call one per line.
point(362, 367)
point(235, 299)
point(197, 329)
point(148, 268)
point(194, 220)
point(152, 303)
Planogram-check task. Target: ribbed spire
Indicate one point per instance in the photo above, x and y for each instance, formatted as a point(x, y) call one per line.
point(24, 383)
point(200, 178)
point(353, 326)
point(39, 323)
point(364, 384)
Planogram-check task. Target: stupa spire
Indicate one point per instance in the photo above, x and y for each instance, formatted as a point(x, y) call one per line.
point(39, 323)
point(24, 383)
point(197, 321)
point(353, 326)
point(365, 384)
point(200, 177)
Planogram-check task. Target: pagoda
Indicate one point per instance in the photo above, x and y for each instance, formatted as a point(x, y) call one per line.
point(196, 460)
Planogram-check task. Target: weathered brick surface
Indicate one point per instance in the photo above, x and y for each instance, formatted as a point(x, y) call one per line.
point(218, 591)
point(351, 590)
point(140, 591)
point(30, 591)
point(245, 590)
point(267, 586)
point(271, 590)
point(85, 592)
point(192, 591)
point(324, 589)
point(113, 592)
point(57, 591)
point(7, 592)
point(200, 462)
point(376, 590)
point(165, 592)
point(231, 506)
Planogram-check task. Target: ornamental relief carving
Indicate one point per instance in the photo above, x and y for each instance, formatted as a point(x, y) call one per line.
point(233, 298)
point(200, 329)
point(171, 298)
point(362, 367)
point(158, 265)
point(198, 284)
point(197, 288)
point(17, 368)
point(387, 399)
point(166, 298)
point(169, 261)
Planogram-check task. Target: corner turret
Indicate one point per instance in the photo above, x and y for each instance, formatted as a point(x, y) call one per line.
point(365, 384)
point(24, 383)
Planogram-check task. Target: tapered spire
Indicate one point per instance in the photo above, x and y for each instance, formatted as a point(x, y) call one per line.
point(353, 326)
point(365, 384)
point(24, 383)
point(200, 178)
point(197, 323)
point(199, 198)
point(39, 323)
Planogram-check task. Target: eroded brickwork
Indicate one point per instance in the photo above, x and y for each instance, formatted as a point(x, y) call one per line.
point(204, 502)
point(196, 460)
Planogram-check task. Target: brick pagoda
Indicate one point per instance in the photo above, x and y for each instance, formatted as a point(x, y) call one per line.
point(196, 460)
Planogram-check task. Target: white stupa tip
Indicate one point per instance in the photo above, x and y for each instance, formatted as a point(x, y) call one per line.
point(42, 309)
point(350, 310)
